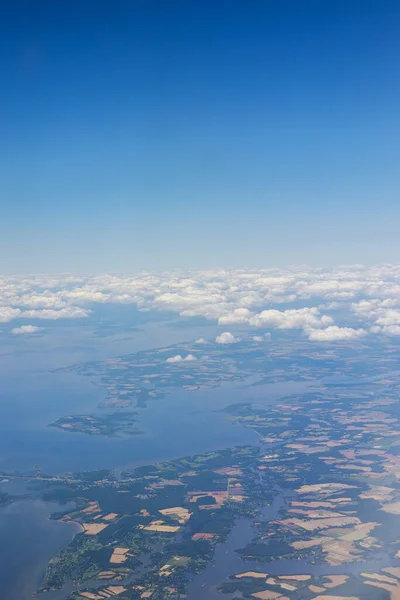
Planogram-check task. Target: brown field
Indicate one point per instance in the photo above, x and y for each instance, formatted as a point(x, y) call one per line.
point(119, 556)
point(324, 488)
point(162, 528)
point(316, 524)
point(316, 589)
point(380, 493)
point(385, 586)
point(110, 517)
point(379, 577)
point(393, 508)
point(267, 595)
point(335, 580)
point(203, 536)
point(392, 571)
point(325, 597)
point(93, 528)
point(182, 514)
point(253, 574)
point(295, 577)
point(116, 589)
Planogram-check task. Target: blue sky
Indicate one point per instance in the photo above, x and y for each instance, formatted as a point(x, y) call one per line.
point(152, 134)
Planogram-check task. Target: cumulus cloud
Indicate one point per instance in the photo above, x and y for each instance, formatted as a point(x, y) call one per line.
point(247, 297)
point(335, 333)
point(201, 341)
point(291, 319)
point(7, 313)
point(225, 338)
point(25, 329)
point(178, 358)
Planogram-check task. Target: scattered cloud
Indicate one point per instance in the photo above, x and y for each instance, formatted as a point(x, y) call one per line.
point(25, 329)
point(225, 338)
point(335, 333)
point(174, 359)
point(201, 341)
point(178, 358)
point(262, 338)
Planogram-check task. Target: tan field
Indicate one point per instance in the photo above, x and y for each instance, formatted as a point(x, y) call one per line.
point(316, 589)
point(316, 524)
point(116, 589)
point(379, 577)
point(93, 528)
point(392, 571)
point(181, 514)
point(316, 514)
point(393, 589)
point(380, 493)
point(323, 488)
point(110, 517)
point(162, 528)
point(325, 597)
point(267, 595)
point(203, 536)
point(286, 586)
point(393, 508)
point(295, 577)
point(253, 574)
point(93, 507)
point(106, 575)
point(119, 556)
point(335, 580)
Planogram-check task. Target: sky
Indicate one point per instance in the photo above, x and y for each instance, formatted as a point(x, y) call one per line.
point(155, 135)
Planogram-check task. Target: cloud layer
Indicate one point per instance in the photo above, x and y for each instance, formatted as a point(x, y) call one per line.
point(324, 305)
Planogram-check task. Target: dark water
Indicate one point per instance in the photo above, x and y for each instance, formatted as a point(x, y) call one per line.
point(28, 540)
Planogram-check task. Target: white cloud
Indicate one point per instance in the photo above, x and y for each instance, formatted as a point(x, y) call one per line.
point(178, 358)
point(225, 338)
point(239, 315)
point(335, 333)
point(248, 297)
point(25, 329)
point(291, 319)
point(262, 338)
point(174, 359)
point(7, 313)
point(72, 312)
point(201, 341)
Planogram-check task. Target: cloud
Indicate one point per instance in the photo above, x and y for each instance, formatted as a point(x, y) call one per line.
point(71, 312)
point(239, 315)
point(291, 319)
point(246, 297)
point(335, 333)
point(178, 358)
point(8, 314)
point(225, 338)
point(262, 338)
point(201, 341)
point(174, 359)
point(25, 329)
